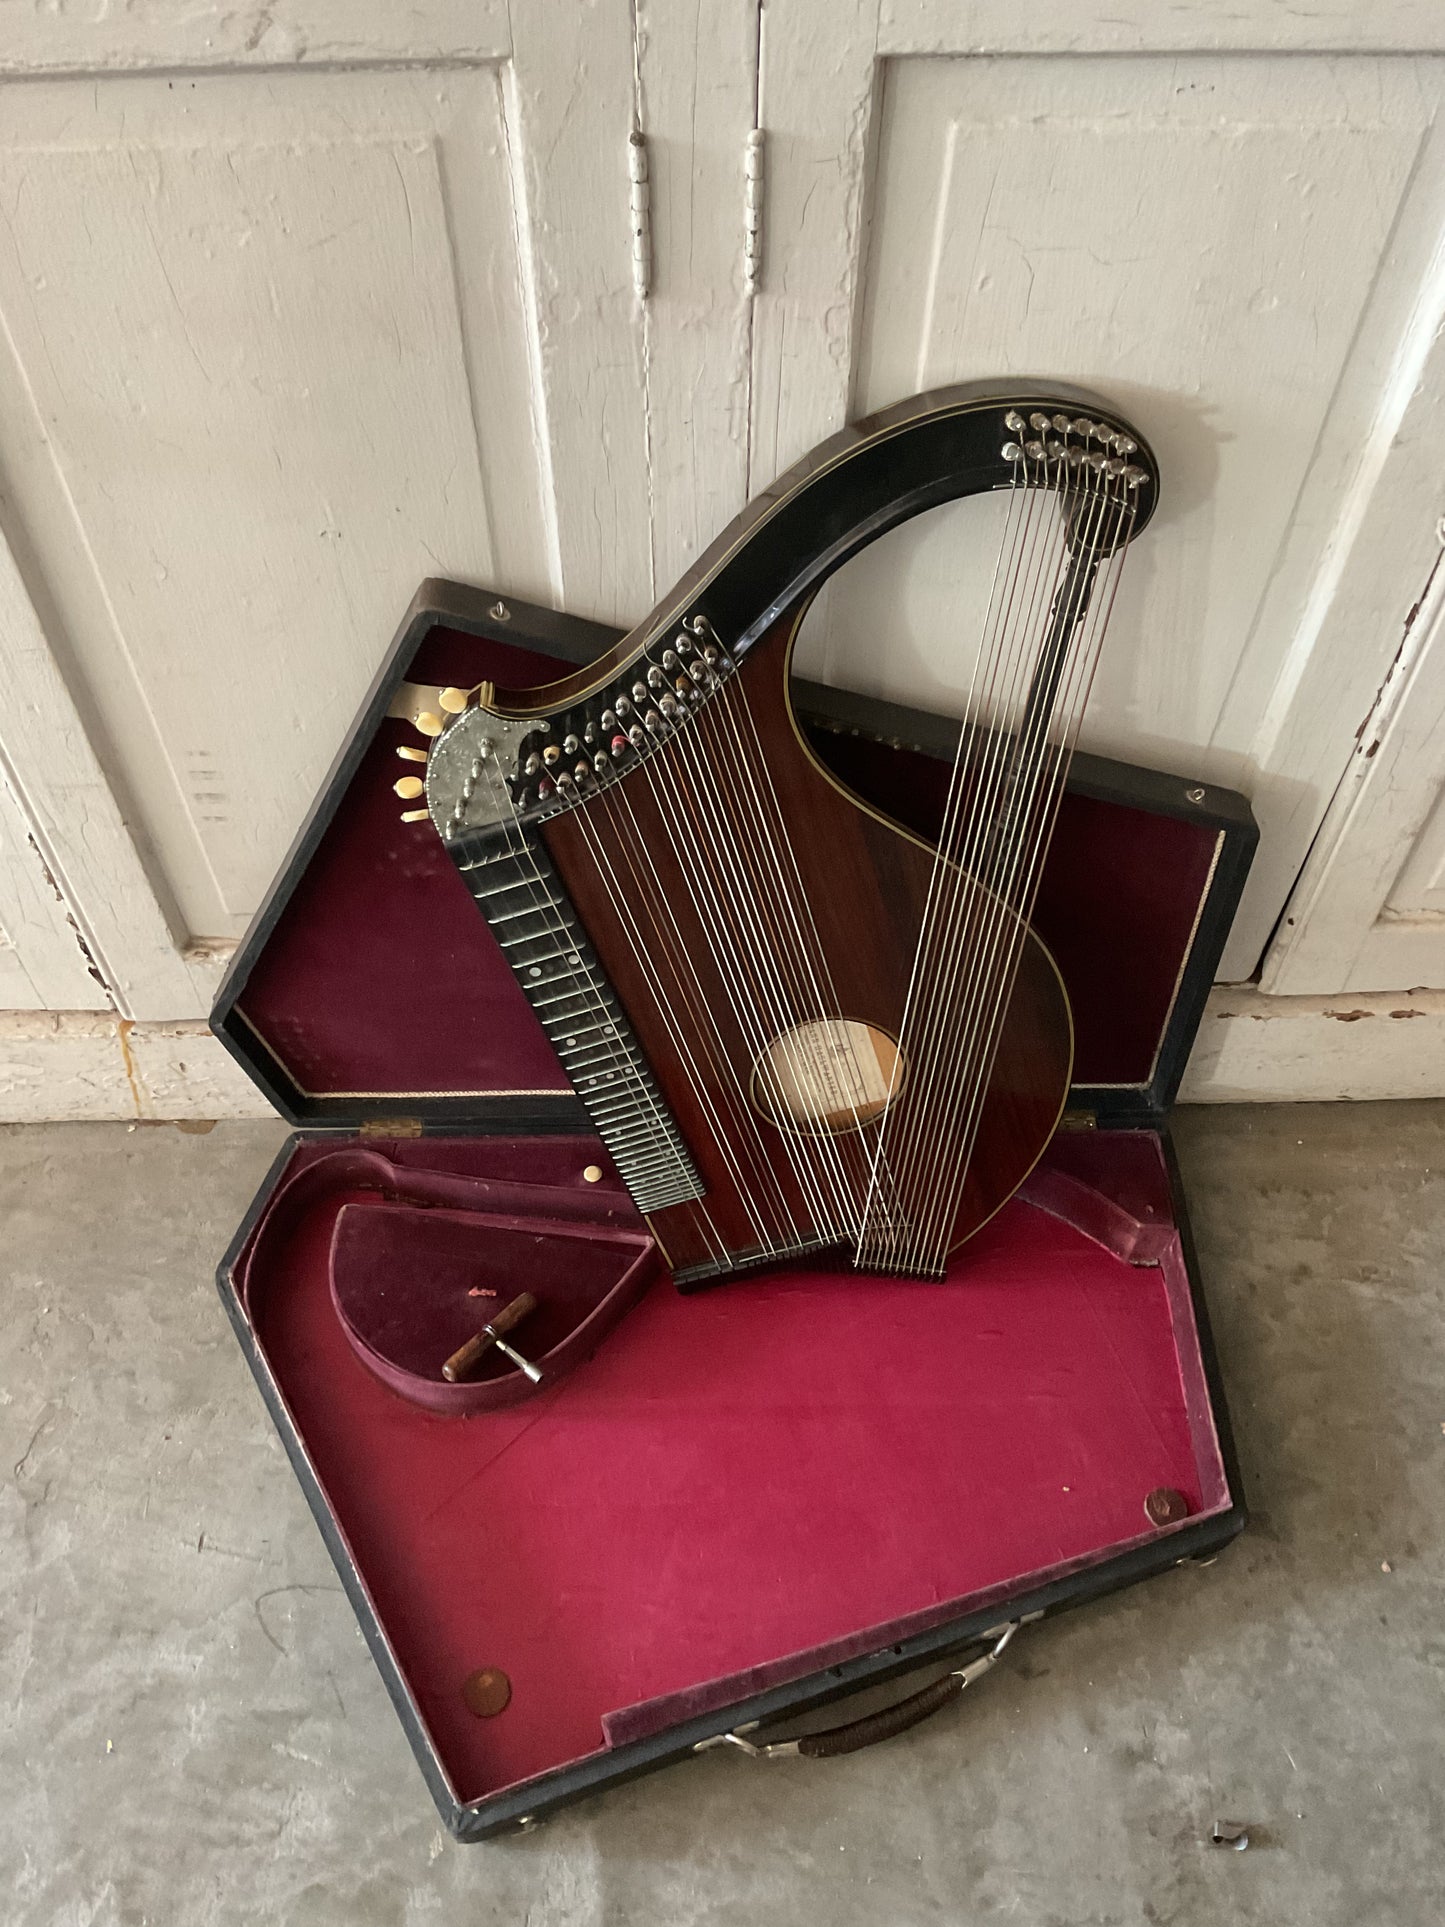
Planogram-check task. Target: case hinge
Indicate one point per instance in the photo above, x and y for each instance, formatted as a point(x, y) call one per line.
point(1079, 1120)
point(391, 1127)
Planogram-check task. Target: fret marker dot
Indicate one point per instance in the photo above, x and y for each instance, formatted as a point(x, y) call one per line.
point(536, 970)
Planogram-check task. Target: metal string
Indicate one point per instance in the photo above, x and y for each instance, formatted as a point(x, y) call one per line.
point(1028, 812)
point(991, 948)
point(711, 827)
point(925, 984)
point(961, 944)
point(521, 850)
point(618, 895)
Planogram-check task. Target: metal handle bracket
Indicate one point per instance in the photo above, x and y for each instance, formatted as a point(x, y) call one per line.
point(875, 1726)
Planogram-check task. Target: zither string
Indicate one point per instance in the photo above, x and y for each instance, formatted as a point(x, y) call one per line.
point(1023, 810)
point(965, 1036)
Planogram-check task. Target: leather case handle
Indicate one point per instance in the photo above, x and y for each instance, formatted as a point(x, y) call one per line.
point(873, 1727)
point(881, 1726)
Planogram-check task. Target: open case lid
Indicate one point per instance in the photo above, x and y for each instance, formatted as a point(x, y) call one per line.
point(369, 990)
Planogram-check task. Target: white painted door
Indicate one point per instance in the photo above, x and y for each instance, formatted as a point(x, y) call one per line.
point(1368, 912)
point(299, 306)
point(1233, 228)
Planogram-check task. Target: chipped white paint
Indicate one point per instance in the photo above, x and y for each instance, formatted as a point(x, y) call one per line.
point(1369, 908)
point(1244, 251)
point(73, 1064)
point(43, 963)
point(103, 39)
point(1254, 1048)
point(72, 885)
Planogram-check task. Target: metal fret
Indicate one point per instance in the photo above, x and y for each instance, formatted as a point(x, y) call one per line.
point(556, 966)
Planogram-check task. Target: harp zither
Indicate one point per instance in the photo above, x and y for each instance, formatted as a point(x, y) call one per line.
point(794, 1025)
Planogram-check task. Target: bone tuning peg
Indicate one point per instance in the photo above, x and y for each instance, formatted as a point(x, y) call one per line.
point(453, 701)
point(408, 786)
point(428, 724)
point(415, 816)
point(410, 755)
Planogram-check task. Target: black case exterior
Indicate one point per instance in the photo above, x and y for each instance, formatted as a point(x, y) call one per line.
point(820, 709)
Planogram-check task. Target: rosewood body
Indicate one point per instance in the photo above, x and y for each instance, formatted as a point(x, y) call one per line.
point(865, 881)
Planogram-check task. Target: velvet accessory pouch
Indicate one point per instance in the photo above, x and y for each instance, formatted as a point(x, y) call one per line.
point(411, 1283)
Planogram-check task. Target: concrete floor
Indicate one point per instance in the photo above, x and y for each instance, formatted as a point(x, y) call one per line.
point(194, 1733)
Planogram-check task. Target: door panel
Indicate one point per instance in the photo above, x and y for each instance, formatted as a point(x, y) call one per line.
point(246, 358)
point(276, 345)
point(1242, 253)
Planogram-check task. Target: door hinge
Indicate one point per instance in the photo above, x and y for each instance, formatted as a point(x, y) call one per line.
point(640, 194)
point(391, 1127)
point(752, 211)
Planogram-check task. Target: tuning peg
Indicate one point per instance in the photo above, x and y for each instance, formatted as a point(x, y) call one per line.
point(453, 701)
point(408, 786)
point(410, 755)
point(428, 724)
point(415, 816)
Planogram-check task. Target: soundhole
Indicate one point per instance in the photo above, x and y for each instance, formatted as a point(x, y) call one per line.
point(833, 1074)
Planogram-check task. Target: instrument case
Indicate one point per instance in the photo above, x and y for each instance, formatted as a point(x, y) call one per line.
point(733, 1509)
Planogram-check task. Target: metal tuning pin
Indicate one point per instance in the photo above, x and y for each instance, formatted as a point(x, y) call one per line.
point(639, 692)
point(571, 746)
point(533, 765)
point(655, 678)
point(454, 701)
point(410, 755)
point(670, 707)
point(551, 754)
point(408, 786)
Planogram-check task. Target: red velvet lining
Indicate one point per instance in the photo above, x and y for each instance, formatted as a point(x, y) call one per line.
point(741, 1487)
point(380, 976)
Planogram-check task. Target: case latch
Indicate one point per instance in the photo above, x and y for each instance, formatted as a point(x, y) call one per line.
point(391, 1127)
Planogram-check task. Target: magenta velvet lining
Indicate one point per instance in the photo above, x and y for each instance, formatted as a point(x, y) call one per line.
point(741, 1487)
point(381, 977)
